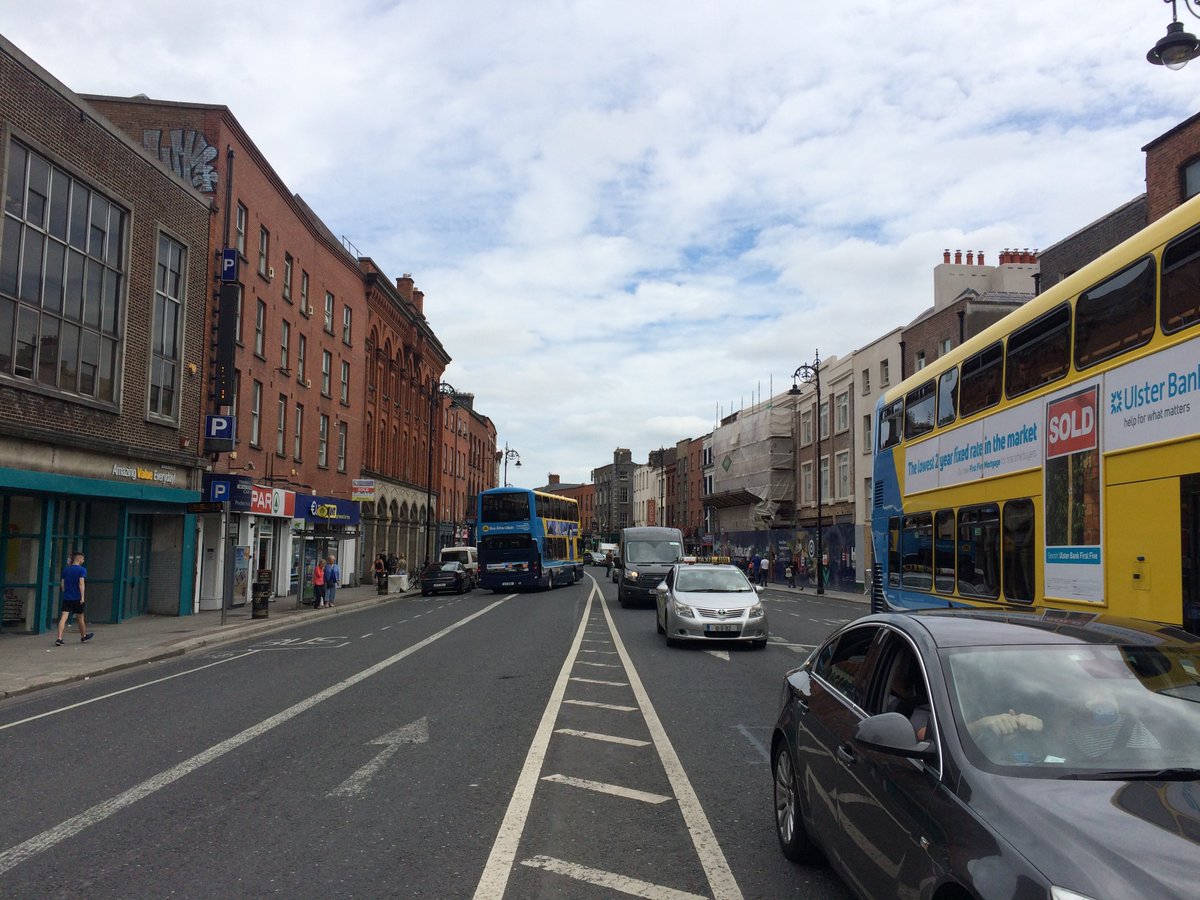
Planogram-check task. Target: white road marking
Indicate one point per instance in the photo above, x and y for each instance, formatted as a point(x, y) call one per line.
point(51, 837)
point(413, 733)
point(598, 681)
point(136, 687)
point(601, 705)
point(758, 745)
point(601, 652)
point(601, 788)
point(367, 635)
point(719, 654)
point(584, 662)
point(622, 883)
point(720, 877)
point(610, 738)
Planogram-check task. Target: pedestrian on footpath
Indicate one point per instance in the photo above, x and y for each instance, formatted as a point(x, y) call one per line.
point(319, 584)
point(790, 574)
point(380, 574)
point(333, 575)
point(74, 588)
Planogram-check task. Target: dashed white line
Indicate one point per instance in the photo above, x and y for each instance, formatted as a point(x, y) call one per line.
point(601, 788)
point(610, 738)
point(584, 662)
point(624, 884)
point(598, 681)
point(601, 705)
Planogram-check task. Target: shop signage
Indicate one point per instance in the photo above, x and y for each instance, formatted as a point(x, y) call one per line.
point(331, 511)
point(139, 473)
point(231, 489)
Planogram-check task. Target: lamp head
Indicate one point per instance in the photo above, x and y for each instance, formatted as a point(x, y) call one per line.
point(1175, 49)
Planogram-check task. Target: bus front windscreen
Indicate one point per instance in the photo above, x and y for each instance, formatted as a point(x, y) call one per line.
point(653, 551)
point(504, 507)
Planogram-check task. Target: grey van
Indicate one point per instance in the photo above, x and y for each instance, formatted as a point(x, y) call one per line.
point(645, 556)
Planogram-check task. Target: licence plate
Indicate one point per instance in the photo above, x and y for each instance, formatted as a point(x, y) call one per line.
point(507, 583)
point(722, 627)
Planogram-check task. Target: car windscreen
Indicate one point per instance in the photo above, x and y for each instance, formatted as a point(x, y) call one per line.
point(652, 551)
point(723, 580)
point(1084, 711)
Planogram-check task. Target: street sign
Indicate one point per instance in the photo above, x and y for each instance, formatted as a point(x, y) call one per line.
point(229, 264)
point(219, 433)
point(200, 509)
point(362, 489)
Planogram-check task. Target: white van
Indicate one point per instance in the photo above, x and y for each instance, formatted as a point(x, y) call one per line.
point(469, 557)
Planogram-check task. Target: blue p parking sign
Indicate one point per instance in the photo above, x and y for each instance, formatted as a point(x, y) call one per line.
point(219, 433)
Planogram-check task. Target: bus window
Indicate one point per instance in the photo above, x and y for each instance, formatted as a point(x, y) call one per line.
point(889, 425)
point(981, 380)
point(918, 411)
point(943, 551)
point(1116, 315)
point(916, 552)
point(1181, 282)
point(1039, 353)
point(505, 507)
point(1018, 551)
point(947, 397)
point(979, 551)
point(894, 551)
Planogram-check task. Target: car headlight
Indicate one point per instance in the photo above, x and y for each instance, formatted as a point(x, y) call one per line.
point(682, 609)
point(1057, 893)
point(631, 574)
point(755, 612)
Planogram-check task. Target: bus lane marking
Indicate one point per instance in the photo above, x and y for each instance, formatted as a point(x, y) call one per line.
point(593, 703)
point(599, 681)
point(615, 790)
point(634, 887)
point(583, 662)
point(610, 738)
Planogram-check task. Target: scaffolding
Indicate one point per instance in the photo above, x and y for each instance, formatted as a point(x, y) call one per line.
point(753, 461)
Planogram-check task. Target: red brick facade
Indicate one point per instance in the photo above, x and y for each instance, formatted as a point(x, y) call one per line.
point(1166, 157)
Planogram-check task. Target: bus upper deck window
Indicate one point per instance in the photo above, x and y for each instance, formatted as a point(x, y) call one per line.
point(919, 408)
point(981, 380)
point(1181, 283)
point(1039, 352)
point(1115, 315)
point(889, 424)
point(947, 397)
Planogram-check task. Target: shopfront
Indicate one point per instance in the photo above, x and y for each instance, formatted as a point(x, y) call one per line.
point(324, 526)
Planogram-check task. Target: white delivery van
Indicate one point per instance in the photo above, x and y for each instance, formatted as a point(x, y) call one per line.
point(469, 557)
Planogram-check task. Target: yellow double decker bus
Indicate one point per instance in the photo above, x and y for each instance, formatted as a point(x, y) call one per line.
point(1053, 460)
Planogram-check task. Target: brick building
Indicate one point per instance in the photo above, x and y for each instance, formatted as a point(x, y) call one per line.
point(102, 341)
point(1172, 168)
point(468, 453)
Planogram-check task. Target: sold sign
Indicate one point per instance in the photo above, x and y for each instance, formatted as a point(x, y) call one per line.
point(1071, 424)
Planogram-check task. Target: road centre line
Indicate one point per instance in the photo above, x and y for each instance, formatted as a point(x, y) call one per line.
point(598, 681)
point(593, 736)
point(601, 788)
point(613, 706)
point(720, 876)
point(624, 884)
point(136, 687)
point(51, 837)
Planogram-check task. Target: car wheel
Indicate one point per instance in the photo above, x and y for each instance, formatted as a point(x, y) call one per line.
point(759, 644)
point(621, 597)
point(658, 622)
point(789, 821)
point(424, 593)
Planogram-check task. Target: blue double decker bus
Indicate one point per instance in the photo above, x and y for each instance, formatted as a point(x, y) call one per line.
point(527, 539)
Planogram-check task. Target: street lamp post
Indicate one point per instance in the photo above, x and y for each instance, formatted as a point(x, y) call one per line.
point(811, 374)
point(435, 392)
point(507, 454)
point(1177, 46)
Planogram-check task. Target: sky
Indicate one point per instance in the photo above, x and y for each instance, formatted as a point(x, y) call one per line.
point(632, 218)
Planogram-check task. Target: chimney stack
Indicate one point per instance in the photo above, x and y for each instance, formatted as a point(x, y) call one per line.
point(404, 284)
point(979, 257)
point(958, 257)
point(970, 257)
point(946, 256)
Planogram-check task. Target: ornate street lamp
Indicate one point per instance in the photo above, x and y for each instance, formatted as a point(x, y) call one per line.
point(811, 374)
point(507, 454)
point(437, 391)
point(1177, 47)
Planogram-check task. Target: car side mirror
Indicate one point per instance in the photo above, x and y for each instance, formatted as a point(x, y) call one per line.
point(892, 733)
point(661, 588)
point(758, 588)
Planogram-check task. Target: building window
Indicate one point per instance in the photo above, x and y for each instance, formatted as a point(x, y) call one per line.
point(866, 381)
point(825, 477)
point(264, 248)
point(304, 307)
point(342, 434)
point(345, 382)
point(240, 228)
point(326, 365)
point(346, 314)
point(823, 419)
point(298, 433)
point(841, 405)
point(301, 354)
point(255, 413)
point(285, 338)
point(323, 441)
point(170, 283)
point(920, 364)
point(806, 429)
point(287, 277)
point(329, 312)
point(866, 434)
point(843, 475)
point(1191, 179)
point(281, 430)
point(944, 346)
point(883, 373)
point(806, 482)
point(62, 280)
point(260, 324)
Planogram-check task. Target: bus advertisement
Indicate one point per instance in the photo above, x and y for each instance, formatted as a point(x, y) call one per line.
point(527, 539)
point(1053, 460)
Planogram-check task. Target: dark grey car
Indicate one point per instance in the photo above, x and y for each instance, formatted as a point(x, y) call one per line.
point(1006, 755)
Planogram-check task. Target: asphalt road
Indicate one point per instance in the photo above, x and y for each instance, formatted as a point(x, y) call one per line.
point(484, 745)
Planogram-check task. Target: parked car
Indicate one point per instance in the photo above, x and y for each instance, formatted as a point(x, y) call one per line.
point(700, 602)
point(995, 755)
point(469, 557)
point(444, 576)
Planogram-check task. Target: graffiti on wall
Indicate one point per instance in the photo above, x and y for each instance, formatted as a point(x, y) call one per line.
point(187, 153)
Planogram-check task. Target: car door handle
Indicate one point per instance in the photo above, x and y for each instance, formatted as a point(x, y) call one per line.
point(846, 756)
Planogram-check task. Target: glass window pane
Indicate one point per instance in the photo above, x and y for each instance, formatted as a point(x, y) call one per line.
point(56, 258)
point(1018, 551)
point(1180, 282)
point(1038, 353)
point(1116, 315)
point(981, 380)
point(89, 362)
point(979, 551)
point(99, 231)
point(107, 389)
point(60, 199)
point(25, 515)
point(68, 368)
point(48, 352)
point(7, 315)
point(943, 551)
point(112, 298)
point(31, 267)
point(116, 237)
point(94, 294)
point(10, 257)
point(27, 331)
point(73, 298)
point(38, 201)
point(919, 411)
point(947, 402)
point(14, 189)
point(79, 216)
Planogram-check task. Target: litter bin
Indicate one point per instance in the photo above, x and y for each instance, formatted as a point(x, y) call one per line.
point(261, 595)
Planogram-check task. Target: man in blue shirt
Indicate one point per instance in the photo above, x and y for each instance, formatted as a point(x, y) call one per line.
point(333, 575)
point(74, 579)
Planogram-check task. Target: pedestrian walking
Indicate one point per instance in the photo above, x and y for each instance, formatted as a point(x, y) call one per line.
point(74, 590)
point(319, 584)
point(380, 574)
point(790, 574)
point(393, 564)
point(333, 575)
point(401, 564)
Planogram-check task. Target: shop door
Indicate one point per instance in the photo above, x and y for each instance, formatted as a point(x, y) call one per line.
point(136, 600)
point(1190, 546)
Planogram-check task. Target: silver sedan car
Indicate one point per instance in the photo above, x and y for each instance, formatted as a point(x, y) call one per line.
point(706, 602)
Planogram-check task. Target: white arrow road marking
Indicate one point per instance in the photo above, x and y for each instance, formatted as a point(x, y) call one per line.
point(622, 883)
point(413, 733)
point(602, 788)
point(719, 654)
point(593, 736)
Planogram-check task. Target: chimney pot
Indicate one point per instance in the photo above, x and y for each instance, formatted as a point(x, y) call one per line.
point(958, 257)
point(979, 257)
point(970, 257)
point(946, 255)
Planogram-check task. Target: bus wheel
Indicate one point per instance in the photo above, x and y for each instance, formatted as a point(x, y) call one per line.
point(550, 580)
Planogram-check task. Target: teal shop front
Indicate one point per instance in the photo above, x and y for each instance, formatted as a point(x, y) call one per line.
point(135, 531)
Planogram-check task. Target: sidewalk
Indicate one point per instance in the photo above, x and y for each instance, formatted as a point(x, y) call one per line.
point(810, 590)
point(29, 662)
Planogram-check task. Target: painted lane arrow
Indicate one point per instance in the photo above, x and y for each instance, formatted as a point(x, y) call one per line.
point(413, 733)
